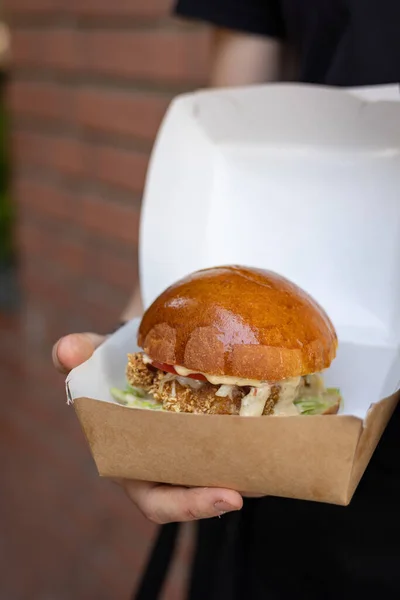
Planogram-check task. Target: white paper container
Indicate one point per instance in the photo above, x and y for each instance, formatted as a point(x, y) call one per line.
point(301, 180)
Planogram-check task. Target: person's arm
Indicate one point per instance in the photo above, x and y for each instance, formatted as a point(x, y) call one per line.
point(249, 45)
point(134, 308)
point(240, 59)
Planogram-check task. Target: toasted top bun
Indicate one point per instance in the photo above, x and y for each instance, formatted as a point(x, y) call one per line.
point(241, 322)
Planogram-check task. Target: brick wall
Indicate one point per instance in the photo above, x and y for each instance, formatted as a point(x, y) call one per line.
point(91, 80)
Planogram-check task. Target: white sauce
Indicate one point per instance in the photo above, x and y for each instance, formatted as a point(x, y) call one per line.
point(289, 389)
point(146, 359)
point(316, 382)
point(214, 379)
point(225, 391)
point(253, 404)
point(192, 383)
point(221, 379)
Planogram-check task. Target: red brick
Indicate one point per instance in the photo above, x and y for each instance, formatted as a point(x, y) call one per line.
point(118, 271)
point(174, 56)
point(63, 251)
point(45, 100)
point(114, 166)
point(30, 6)
point(128, 8)
point(78, 264)
point(10, 327)
point(31, 240)
point(10, 323)
point(57, 321)
point(80, 314)
point(104, 316)
point(104, 298)
point(114, 220)
point(46, 454)
point(121, 113)
point(37, 281)
point(71, 255)
point(44, 199)
point(45, 48)
point(63, 154)
point(98, 306)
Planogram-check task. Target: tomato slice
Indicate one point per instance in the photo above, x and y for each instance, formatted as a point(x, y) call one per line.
point(163, 367)
point(170, 369)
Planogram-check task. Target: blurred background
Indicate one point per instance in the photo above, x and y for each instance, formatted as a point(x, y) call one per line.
point(84, 86)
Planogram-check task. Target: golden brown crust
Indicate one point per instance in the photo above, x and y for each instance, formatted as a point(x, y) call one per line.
point(138, 374)
point(178, 398)
point(272, 400)
point(239, 321)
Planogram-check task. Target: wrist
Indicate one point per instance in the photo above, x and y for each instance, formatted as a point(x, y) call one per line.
point(118, 326)
point(134, 308)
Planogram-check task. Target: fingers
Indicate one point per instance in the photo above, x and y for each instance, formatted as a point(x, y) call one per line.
point(72, 350)
point(167, 504)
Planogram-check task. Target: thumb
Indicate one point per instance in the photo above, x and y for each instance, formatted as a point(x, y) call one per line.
point(74, 349)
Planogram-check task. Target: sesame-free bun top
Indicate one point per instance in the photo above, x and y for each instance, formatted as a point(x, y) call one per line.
point(241, 322)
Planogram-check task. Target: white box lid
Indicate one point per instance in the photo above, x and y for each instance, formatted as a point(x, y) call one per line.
point(303, 180)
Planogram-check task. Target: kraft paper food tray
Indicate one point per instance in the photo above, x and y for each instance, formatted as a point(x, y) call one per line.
point(304, 181)
point(317, 458)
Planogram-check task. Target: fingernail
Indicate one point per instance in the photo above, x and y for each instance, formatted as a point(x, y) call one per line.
point(54, 356)
point(222, 507)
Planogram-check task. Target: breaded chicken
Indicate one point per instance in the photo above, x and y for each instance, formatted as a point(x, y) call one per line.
point(138, 374)
point(272, 400)
point(176, 397)
point(181, 398)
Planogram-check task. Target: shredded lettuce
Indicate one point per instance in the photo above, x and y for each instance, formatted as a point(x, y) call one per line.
point(135, 391)
point(134, 398)
point(316, 405)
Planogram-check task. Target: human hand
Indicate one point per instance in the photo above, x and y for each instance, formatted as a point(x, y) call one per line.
point(159, 503)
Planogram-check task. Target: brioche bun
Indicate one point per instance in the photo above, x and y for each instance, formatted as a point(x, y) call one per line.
point(239, 321)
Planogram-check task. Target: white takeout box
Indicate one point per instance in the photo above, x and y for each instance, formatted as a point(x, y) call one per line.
point(301, 180)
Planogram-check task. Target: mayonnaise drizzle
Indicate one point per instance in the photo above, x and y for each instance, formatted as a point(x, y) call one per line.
point(214, 379)
point(221, 379)
point(254, 402)
point(289, 389)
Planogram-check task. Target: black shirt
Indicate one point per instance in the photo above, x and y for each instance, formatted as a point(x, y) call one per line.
point(279, 549)
point(339, 42)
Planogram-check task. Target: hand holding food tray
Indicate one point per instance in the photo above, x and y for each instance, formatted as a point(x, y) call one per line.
point(302, 183)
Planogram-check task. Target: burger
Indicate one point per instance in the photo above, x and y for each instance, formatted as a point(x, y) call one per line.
point(233, 340)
